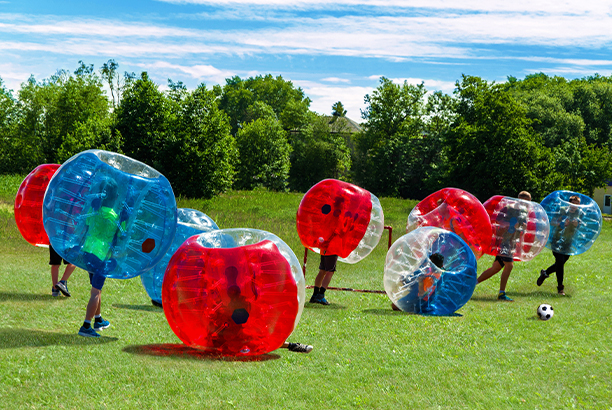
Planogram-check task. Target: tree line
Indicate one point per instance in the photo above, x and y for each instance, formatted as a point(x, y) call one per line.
point(539, 134)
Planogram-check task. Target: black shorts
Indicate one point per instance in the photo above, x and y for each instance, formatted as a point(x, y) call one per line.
point(54, 258)
point(503, 259)
point(328, 263)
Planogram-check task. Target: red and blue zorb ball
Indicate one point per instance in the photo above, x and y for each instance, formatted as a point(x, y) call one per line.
point(520, 227)
point(109, 214)
point(233, 292)
point(457, 211)
point(29, 204)
point(338, 218)
point(573, 227)
point(430, 271)
point(189, 222)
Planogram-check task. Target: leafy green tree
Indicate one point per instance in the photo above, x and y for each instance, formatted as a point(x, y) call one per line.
point(492, 146)
point(94, 133)
point(571, 118)
point(289, 104)
point(548, 102)
point(338, 110)
point(593, 101)
point(200, 154)
point(440, 113)
point(51, 110)
point(10, 151)
point(144, 120)
point(319, 152)
point(581, 167)
point(388, 161)
point(264, 155)
point(109, 73)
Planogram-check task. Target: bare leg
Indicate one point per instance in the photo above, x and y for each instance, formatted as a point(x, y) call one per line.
point(489, 272)
point(67, 272)
point(326, 279)
point(93, 306)
point(98, 310)
point(323, 278)
point(54, 274)
point(505, 276)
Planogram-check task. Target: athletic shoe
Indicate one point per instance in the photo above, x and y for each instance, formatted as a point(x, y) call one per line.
point(320, 299)
point(561, 291)
point(502, 296)
point(299, 348)
point(156, 303)
point(63, 287)
point(55, 291)
point(88, 332)
point(394, 307)
point(101, 325)
point(542, 278)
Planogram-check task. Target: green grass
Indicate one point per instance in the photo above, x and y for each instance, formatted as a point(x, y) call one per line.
point(491, 356)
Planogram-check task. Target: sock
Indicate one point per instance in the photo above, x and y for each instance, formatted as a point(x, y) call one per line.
point(98, 318)
point(322, 291)
point(87, 324)
point(316, 291)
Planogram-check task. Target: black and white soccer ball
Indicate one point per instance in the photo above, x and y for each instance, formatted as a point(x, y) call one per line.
point(545, 311)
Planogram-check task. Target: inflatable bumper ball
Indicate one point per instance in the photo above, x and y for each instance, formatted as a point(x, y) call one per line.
point(338, 218)
point(233, 292)
point(29, 204)
point(573, 227)
point(189, 222)
point(520, 227)
point(109, 214)
point(457, 211)
point(430, 271)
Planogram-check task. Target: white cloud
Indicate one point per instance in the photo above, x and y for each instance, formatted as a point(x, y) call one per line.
point(400, 37)
point(199, 72)
point(336, 80)
point(567, 6)
point(446, 87)
point(324, 96)
point(12, 76)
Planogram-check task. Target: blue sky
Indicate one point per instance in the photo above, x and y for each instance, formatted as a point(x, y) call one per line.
point(333, 51)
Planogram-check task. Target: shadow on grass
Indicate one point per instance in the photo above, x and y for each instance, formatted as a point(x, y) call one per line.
point(536, 293)
point(391, 312)
point(542, 293)
point(11, 338)
point(27, 297)
point(315, 306)
point(146, 308)
point(182, 351)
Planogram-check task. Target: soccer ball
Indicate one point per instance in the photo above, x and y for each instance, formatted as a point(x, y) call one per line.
point(545, 311)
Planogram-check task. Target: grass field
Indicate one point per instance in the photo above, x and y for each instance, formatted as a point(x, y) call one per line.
point(491, 356)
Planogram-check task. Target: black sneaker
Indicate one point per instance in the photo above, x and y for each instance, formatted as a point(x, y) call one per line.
point(299, 348)
point(320, 299)
point(55, 292)
point(63, 287)
point(542, 278)
point(503, 297)
point(101, 324)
